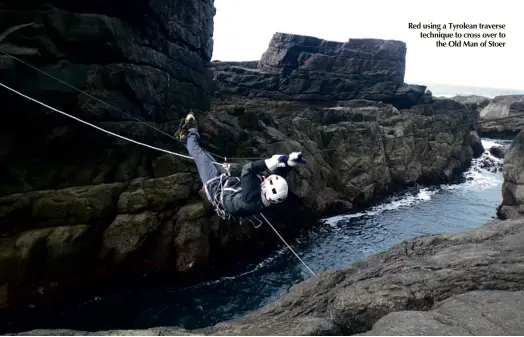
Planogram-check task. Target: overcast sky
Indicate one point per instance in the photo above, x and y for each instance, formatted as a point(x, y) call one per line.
point(243, 29)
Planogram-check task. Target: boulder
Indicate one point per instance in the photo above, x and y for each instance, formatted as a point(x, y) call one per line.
point(498, 151)
point(476, 144)
point(479, 102)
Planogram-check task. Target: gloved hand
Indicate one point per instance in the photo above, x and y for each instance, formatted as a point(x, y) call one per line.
point(296, 158)
point(277, 160)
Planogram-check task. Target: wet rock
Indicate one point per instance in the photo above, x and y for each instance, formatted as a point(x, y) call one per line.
point(486, 163)
point(498, 151)
point(476, 144)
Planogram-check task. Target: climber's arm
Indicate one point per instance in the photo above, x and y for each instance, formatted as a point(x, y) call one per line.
point(250, 181)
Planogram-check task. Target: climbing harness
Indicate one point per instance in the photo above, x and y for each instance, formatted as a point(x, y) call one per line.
point(215, 195)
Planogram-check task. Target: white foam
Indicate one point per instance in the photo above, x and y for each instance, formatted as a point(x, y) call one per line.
point(482, 178)
point(479, 178)
point(405, 200)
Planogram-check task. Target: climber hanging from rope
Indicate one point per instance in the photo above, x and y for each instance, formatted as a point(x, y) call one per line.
point(232, 196)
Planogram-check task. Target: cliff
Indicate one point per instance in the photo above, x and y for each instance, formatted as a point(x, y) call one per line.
point(304, 68)
point(508, 107)
point(512, 206)
point(416, 275)
point(78, 206)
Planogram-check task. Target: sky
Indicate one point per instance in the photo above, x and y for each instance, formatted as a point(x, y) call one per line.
point(243, 29)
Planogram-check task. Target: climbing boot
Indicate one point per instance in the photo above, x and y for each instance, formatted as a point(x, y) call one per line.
point(187, 123)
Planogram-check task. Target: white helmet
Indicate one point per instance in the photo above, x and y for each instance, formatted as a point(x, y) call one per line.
point(274, 189)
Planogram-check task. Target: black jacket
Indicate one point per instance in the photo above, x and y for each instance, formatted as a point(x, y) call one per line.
point(243, 197)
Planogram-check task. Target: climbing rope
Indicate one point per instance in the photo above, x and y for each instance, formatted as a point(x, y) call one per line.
point(145, 145)
point(347, 146)
point(92, 125)
point(288, 246)
point(85, 93)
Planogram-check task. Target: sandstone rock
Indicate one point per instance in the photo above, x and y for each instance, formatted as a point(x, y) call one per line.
point(58, 177)
point(69, 206)
point(147, 332)
point(476, 144)
point(502, 107)
point(427, 98)
point(128, 232)
point(36, 261)
point(512, 205)
point(359, 150)
point(415, 275)
point(305, 68)
point(468, 283)
point(157, 193)
point(484, 312)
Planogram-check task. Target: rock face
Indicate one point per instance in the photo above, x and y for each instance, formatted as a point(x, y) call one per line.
point(414, 275)
point(77, 205)
point(454, 284)
point(479, 102)
point(358, 151)
point(502, 107)
point(513, 187)
point(305, 68)
point(476, 313)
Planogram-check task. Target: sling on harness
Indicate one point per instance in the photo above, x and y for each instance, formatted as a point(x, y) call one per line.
point(216, 195)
